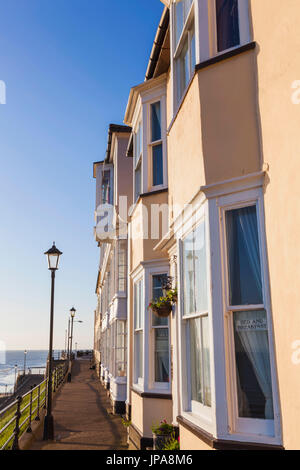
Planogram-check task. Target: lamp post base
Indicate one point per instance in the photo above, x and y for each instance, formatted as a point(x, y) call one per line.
point(48, 428)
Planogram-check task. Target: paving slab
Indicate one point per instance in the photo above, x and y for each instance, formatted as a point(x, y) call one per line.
point(81, 416)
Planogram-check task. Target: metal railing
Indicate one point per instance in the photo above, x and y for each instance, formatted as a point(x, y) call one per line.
point(17, 418)
point(36, 370)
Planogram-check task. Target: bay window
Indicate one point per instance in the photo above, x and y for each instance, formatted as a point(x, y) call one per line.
point(250, 343)
point(184, 50)
point(160, 328)
point(196, 320)
point(138, 331)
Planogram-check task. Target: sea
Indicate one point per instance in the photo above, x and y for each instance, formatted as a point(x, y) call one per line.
point(34, 359)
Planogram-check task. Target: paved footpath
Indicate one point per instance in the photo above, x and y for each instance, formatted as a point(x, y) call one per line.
point(81, 416)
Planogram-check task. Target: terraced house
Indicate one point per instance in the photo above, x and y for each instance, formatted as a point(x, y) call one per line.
point(112, 183)
point(212, 162)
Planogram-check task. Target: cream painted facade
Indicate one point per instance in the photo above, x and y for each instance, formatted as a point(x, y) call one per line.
point(229, 113)
point(110, 351)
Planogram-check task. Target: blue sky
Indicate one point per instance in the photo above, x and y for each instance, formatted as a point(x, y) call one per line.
point(68, 66)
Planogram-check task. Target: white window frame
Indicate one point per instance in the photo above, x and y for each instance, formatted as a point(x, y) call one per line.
point(138, 160)
point(152, 144)
point(153, 385)
point(176, 50)
point(244, 26)
point(109, 168)
point(200, 415)
point(246, 429)
point(157, 95)
point(139, 381)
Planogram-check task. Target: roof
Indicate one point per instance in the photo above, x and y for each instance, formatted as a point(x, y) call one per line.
point(115, 128)
point(159, 43)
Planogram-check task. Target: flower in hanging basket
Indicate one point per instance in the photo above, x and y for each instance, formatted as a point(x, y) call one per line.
point(161, 307)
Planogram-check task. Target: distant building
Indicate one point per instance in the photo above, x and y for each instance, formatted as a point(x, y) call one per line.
point(113, 179)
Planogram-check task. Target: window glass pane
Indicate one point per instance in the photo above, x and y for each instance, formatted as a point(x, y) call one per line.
point(106, 187)
point(138, 182)
point(138, 348)
point(188, 274)
point(182, 9)
point(140, 148)
point(161, 355)
point(245, 282)
point(156, 294)
point(138, 144)
point(157, 165)
point(178, 20)
point(200, 269)
point(254, 384)
point(155, 121)
point(227, 24)
point(195, 360)
point(183, 69)
point(193, 51)
point(195, 272)
point(200, 361)
point(206, 361)
point(138, 305)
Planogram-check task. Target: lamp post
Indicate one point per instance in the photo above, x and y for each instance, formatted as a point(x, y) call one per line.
point(72, 312)
point(25, 354)
point(68, 352)
point(53, 256)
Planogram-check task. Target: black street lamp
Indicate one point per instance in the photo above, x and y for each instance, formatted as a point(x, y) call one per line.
point(53, 256)
point(72, 312)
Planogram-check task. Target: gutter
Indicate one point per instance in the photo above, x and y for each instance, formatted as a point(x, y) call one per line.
point(158, 42)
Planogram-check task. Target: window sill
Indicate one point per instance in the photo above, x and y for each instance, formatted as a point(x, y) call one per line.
point(223, 444)
point(153, 394)
point(144, 195)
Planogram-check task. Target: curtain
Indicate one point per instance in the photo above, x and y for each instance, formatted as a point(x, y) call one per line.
point(248, 225)
point(195, 357)
point(244, 257)
point(227, 24)
point(162, 355)
point(251, 327)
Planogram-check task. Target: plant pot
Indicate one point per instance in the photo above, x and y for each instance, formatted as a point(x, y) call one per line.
point(164, 310)
point(160, 440)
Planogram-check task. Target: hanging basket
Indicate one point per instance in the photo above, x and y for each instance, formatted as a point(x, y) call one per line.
point(163, 311)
